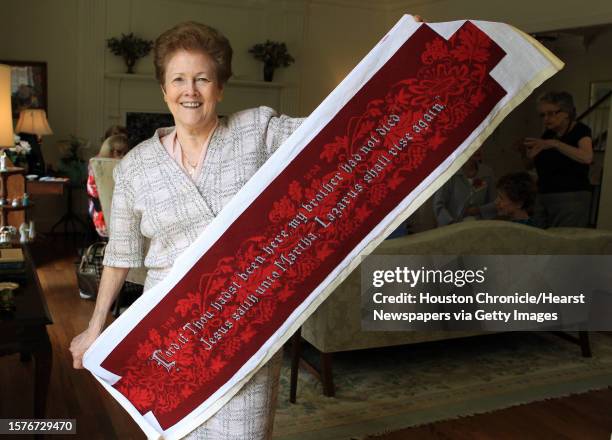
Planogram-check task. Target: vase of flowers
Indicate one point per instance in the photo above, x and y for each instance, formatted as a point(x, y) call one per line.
point(274, 55)
point(18, 154)
point(130, 48)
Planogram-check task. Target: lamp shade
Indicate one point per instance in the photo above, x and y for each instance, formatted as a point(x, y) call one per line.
point(34, 121)
point(6, 118)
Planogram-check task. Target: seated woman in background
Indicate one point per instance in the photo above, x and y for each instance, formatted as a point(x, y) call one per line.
point(469, 193)
point(115, 146)
point(516, 194)
point(561, 157)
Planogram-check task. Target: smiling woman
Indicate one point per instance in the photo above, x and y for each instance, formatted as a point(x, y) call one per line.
point(170, 187)
point(191, 91)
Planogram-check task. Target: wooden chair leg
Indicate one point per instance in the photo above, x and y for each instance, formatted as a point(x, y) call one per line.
point(585, 344)
point(296, 353)
point(327, 375)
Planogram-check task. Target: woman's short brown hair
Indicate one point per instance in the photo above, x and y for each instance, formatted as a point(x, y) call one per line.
point(193, 37)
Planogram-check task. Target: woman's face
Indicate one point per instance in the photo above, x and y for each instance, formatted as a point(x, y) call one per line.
point(191, 89)
point(552, 116)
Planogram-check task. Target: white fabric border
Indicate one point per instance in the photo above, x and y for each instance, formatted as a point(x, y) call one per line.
point(535, 64)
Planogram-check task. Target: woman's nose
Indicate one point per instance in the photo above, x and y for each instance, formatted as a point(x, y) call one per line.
point(191, 87)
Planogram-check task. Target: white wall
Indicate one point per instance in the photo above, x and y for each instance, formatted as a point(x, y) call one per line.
point(40, 31)
point(337, 37)
point(327, 38)
point(243, 22)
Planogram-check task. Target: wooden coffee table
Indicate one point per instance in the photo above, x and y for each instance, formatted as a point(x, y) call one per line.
point(24, 330)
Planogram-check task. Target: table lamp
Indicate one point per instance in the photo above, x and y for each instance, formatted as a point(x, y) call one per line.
point(7, 138)
point(33, 121)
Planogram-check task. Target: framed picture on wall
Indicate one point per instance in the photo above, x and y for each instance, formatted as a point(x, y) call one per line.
point(599, 89)
point(28, 85)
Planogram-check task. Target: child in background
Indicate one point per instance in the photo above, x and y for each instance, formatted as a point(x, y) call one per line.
point(113, 130)
point(515, 199)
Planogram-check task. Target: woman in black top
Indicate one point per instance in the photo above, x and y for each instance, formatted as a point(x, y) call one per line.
point(562, 157)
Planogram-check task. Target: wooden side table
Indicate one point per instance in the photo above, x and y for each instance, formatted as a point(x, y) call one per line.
point(58, 188)
point(6, 193)
point(38, 188)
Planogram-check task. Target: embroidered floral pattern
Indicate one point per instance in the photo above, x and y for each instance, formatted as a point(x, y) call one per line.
point(338, 207)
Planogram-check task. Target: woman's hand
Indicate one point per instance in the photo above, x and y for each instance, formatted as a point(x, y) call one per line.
point(535, 146)
point(80, 344)
point(110, 285)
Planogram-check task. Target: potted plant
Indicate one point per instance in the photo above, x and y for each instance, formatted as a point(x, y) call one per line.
point(130, 48)
point(71, 163)
point(273, 54)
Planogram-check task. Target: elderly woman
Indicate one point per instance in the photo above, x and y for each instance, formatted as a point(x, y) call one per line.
point(561, 157)
point(171, 186)
point(469, 194)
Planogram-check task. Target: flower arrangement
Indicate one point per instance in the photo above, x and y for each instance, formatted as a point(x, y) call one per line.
point(273, 54)
point(18, 154)
point(130, 48)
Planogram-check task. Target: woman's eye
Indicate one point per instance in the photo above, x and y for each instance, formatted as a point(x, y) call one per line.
point(177, 80)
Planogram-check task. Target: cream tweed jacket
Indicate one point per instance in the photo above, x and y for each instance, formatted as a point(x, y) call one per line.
point(155, 199)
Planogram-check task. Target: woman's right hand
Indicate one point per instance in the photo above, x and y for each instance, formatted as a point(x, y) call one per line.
point(110, 284)
point(80, 344)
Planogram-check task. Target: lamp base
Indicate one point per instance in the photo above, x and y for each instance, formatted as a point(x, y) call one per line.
point(36, 162)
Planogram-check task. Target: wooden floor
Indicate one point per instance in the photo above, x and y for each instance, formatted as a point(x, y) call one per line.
point(76, 395)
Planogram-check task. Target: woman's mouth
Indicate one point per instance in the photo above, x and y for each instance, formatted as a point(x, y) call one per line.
point(191, 104)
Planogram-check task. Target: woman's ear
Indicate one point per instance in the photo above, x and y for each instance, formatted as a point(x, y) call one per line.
point(161, 86)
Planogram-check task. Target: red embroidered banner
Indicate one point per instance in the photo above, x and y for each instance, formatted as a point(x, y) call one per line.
point(405, 121)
